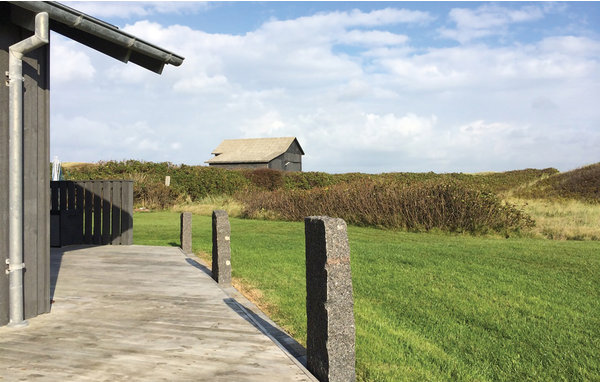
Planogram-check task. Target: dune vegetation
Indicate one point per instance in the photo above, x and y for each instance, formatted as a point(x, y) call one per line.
point(530, 202)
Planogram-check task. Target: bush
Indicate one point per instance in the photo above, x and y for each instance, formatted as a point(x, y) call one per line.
point(187, 182)
point(445, 205)
point(581, 184)
point(265, 178)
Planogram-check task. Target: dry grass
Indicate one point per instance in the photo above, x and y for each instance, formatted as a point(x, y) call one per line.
point(253, 294)
point(207, 205)
point(71, 165)
point(562, 219)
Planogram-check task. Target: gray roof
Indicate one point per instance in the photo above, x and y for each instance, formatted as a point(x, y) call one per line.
point(94, 33)
point(252, 150)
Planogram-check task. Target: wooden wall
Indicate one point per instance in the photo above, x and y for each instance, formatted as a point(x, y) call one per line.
point(96, 212)
point(36, 142)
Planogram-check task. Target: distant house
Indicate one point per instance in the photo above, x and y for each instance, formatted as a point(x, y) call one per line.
point(276, 153)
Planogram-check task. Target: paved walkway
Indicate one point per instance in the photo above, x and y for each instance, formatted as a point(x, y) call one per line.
point(138, 313)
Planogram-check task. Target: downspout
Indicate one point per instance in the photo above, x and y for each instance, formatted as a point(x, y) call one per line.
point(15, 165)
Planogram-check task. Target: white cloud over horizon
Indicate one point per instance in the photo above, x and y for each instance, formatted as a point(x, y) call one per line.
point(128, 9)
point(359, 93)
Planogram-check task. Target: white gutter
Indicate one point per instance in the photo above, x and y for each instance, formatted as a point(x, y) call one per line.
point(15, 165)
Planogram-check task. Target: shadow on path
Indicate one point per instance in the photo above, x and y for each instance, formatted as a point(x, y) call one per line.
point(197, 265)
point(56, 255)
point(276, 334)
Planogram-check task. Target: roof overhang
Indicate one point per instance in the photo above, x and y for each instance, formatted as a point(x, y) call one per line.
point(212, 161)
point(96, 34)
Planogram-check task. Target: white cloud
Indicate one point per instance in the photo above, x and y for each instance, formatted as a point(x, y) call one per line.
point(543, 103)
point(488, 20)
point(481, 128)
point(571, 45)
point(69, 63)
point(201, 83)
point(80, 138)
point(269, 124)
point(372, 38)
point(388, 132)
point(118, 9)
point(389, 103)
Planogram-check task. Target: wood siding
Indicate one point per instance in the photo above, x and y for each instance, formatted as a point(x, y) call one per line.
point(91, 212)
point(233, 166)
point(36, 178)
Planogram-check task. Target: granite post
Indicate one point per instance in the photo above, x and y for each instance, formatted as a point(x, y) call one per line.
point(221, 249)
point(329, 303)
point(185, 232)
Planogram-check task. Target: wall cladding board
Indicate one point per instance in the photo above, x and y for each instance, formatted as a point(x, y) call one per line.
point(36, 147)
point(7, 37)
point(233, 166)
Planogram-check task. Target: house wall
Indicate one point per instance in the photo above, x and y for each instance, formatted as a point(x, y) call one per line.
point(293, 157)
point(233, 166)
point(36, 149)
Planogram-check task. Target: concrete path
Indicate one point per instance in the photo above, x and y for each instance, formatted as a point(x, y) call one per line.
point(138, 313)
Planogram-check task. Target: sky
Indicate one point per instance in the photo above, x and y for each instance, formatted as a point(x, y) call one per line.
point(364, 86)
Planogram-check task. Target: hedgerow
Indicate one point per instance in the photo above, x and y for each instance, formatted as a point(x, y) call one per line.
point(422, 206)
point(193, 183)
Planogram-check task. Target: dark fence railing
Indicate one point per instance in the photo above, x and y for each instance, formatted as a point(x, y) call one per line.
point(91, 212)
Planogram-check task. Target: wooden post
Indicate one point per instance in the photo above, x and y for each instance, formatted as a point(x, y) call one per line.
point(330, 330)
point(185, 231)
point(221, 249)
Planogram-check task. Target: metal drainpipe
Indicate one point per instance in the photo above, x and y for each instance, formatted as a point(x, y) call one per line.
point(15, 165)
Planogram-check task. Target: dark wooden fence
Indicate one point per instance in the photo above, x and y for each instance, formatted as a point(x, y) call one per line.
point(91, 212)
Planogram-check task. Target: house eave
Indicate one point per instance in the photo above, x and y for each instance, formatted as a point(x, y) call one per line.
point(97, 34)
point(210, 161)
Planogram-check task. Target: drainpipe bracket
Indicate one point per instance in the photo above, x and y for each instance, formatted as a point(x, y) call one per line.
point(14, 77)
point(13, 267)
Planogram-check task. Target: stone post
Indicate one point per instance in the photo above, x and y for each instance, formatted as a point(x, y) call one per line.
point(329, 303)
point(221, 249)
point(185, 232)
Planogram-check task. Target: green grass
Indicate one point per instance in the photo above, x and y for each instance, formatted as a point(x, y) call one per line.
point(431, 306)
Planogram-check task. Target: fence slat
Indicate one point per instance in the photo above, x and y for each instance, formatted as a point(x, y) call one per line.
point(116, 213)
point(87, 214)
point(62, 195)
point(106, 200)
point(78, 230)
point(127, 213)
point(97, 212)
point(70, 196)
point(62, 207)
point(54, 197)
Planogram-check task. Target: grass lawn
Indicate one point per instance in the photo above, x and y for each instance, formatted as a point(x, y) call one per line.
point(431, 306)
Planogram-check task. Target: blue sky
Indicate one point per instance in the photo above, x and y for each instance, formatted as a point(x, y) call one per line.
point(365, 86)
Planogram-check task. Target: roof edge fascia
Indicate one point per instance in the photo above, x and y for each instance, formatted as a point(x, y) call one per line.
point(75, 19)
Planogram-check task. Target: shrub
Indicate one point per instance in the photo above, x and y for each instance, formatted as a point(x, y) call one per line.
point(154, 195)
point(265, 178)
point(581, 184)
point(445, 205)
